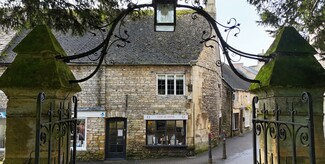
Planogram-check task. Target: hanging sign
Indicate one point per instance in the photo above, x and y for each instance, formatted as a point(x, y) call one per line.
point(165, 117)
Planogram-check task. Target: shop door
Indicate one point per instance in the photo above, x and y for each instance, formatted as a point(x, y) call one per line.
point(115, 138)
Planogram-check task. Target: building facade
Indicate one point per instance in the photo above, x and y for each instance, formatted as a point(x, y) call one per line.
point(237, 104)
point(158, 96)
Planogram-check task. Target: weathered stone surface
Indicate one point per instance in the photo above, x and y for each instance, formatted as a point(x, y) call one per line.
point(293, 63)
point(30, 73)
point(292, 71)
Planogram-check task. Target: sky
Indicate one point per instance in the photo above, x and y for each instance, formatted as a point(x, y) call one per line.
point(252, 38)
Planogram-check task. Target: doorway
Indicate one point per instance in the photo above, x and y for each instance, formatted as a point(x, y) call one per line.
point(115, 147)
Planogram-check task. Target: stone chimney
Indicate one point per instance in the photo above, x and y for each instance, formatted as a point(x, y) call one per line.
point(211, 8)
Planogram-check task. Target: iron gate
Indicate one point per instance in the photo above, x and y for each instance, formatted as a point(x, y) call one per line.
point(56, 132)
point(281, 125)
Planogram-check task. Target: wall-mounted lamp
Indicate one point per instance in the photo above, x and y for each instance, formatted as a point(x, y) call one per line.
point(165, 15)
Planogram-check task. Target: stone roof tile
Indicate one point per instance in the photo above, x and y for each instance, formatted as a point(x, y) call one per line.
point(145, 47)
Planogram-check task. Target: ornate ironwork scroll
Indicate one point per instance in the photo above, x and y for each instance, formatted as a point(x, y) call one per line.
point(207, 35)
point(282, 126)
point(56, 131)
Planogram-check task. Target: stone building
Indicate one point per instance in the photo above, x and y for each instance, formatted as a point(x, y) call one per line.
point(237, 104)
point(160, 95)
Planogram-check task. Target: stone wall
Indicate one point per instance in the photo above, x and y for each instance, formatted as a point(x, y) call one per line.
point(3, 97)
point(226, 109)
point(206, 98)
point(92, 96)
point(131, 93)
point(95, 140)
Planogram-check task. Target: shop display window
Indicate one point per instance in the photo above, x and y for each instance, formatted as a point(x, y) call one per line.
point(166, 132)
point(2, 132)
point(81, 134)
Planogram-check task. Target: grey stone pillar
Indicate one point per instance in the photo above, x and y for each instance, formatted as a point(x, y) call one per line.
point(292, 71)
point(35, 69)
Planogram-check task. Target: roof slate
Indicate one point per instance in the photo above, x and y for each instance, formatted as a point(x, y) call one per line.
point(146, 46)
point(233, 80)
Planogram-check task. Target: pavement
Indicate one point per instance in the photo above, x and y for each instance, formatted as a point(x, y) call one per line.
point(238, 150)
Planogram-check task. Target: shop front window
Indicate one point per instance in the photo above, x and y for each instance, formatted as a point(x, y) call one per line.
point(81, 134)
point(166, 132)
point(2, 130)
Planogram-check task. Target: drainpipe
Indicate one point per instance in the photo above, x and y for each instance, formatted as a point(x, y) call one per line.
point(231, 111)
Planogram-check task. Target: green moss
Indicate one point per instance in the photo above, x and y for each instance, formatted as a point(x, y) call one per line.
point(37, 73)
point(38, 40)
point(184, 12)
point(288, 40)
point(263, 76)
point(35, 66)
point(293, 64)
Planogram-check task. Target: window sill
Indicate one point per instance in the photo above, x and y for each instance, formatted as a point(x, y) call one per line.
point(165, 146)
point(81, 149)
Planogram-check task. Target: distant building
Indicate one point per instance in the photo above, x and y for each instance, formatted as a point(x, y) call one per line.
point(238, 107)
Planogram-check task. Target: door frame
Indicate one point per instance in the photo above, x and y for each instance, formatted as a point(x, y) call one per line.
point(107, 132)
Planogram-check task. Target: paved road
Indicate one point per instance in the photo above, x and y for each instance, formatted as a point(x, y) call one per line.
point(239, 150)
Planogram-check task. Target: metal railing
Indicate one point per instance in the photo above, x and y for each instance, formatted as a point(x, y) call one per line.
point(56, 132)
point(285, 128)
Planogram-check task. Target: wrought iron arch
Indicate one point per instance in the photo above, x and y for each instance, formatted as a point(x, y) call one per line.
point(198, 9)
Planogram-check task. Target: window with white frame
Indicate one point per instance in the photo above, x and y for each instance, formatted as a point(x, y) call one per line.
point(235, 123)
point(170, 84)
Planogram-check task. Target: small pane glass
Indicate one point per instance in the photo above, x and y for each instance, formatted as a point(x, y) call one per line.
point(179, 84)
point(120, 124)
point(81, 133)
point(170, 84)
point(165, 13)
point(161, 85)
point(151, 139)
point(180, 133)
point(2, 130)
point(170, 133)
point(119, 148)
point(112, 148)
point(112, 124)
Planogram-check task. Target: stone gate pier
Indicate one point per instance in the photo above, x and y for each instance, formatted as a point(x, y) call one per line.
point(35, 69)
point(292, 71)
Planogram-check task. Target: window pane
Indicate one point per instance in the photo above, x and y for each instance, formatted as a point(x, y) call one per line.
point(112, 124)
point(151, 139)
point(119, 148)
point(179, 84)
point(161, 85)
point(163, 132)
point(81, 133)
point(165, 13)
point(170, 133)
point(180, 133)
point(120, 124)
point(112, 148)
point(2, 131)
point(161, 128)
point(170, 84)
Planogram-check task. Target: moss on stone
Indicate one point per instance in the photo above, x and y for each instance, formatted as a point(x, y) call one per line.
point(39, 39)
point(35, 66)
point(293, 64)
point(288, 40)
